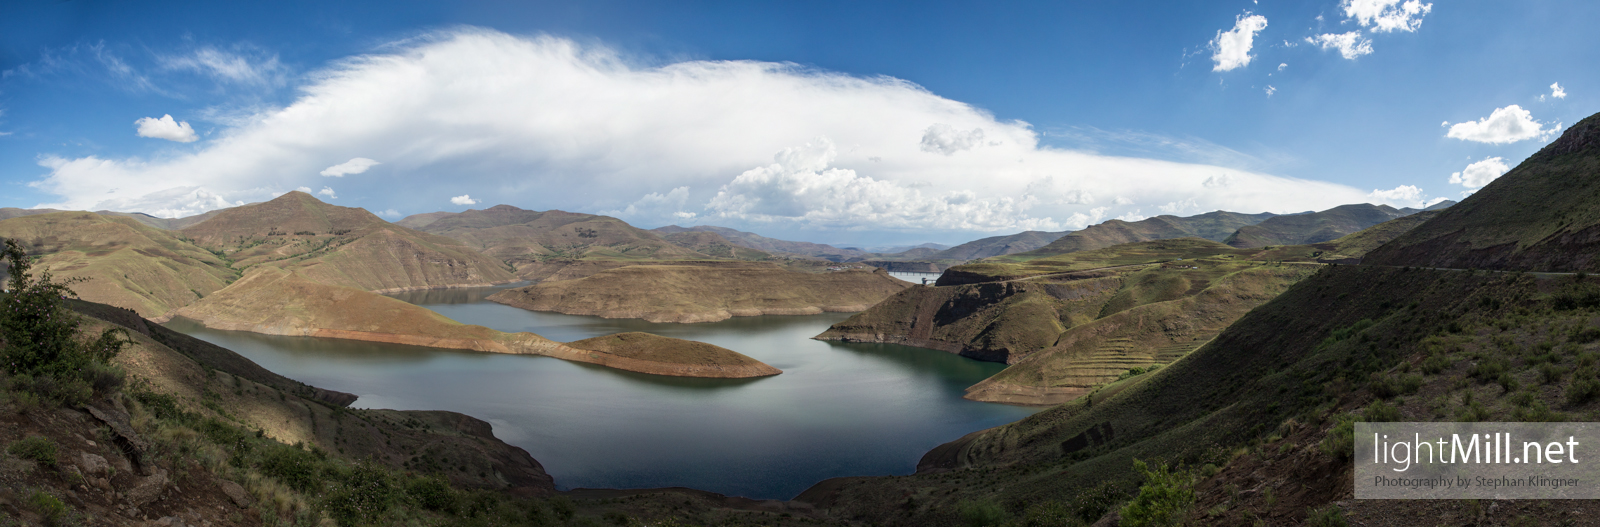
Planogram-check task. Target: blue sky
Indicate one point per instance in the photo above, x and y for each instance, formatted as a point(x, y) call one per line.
point(841, 122)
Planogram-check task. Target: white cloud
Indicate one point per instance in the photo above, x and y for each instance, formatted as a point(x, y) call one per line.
point(1271, 90)
point(464, 199)
point(1478, 174)
point(945, 139)
point(1504, 125)
point(353, 166)
point(327, 192)
point(242, 66)
point(306, 190)
point(544, 122)
point(1383, 16)
point(1557, 92)
point(390, 213)
point(1350, 45)
point(1282, 65)
point(166, 128)
point(657, 205)
point(1401, 196)
point(1231, 49)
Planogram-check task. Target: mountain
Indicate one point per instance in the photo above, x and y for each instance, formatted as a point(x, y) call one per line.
point(771, 245)
point(1300, 229)
point(714, 245)
point(1353, 247)
point(998, 245)
point(705, 293)
point(123, 262)
point(1214, 226)
point(341, 246)
point(1540, 216)
point(525, 238)
point(7, 213)
point(163, 223)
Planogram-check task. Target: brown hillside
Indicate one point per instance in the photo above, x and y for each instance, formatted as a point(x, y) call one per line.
point(772, 245)
point(689, 293)
point(714, 245)
point(342, 246)
point(1543, 215)
point(125, 263)
point(278, 302)
point(524, 237)
point(649, 347)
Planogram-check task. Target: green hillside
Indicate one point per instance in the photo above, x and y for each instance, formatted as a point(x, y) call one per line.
point(1214, 226)
point(1540, 216)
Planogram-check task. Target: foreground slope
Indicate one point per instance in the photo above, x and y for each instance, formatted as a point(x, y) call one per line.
point(696, 293)
point(122, 261)
point(1539, 216)
point(278, 302)
point(341, 246)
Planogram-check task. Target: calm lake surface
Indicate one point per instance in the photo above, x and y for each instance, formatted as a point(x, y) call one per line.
point(837, 410)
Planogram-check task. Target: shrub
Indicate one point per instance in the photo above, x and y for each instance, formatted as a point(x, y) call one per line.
point(1582, 391)
point(360, 495)
point(432, 493)
point(1164, 499)
point(981, 513)
point(41, 334)
point(48, 506)
point(293, 467)
point(34, 448)
point(1378, 412)
point(1340, 443)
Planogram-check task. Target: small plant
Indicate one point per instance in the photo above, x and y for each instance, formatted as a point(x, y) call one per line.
point(1164, 499)
point(1582, 391)
point(981, 513)
point(1340, 442)
point(48, 506)
point(35, 448)
point(1328, 516)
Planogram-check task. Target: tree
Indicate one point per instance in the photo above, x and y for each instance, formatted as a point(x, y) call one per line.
point(39, 333)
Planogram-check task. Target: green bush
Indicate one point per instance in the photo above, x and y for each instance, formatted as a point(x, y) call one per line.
point(298, 469)
point(48, 506)
point(1582, 391)
point(1164, 499)
point(34, 448)
point(1340, 442)
point(981, 513)
point(1380, 412)
point(360, 495)
point(432, 493)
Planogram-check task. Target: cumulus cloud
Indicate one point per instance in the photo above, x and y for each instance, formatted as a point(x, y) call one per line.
point(327, 192)
point(543, 122)
point(1403, 195)
point(1350, 45)
point(1503, 125)
point(306, 190)
point(1383, 16)
point(391, 213)
point(353, 166)
point(1556, 91)
point(1231, 49)
point(1478, 174)
point(1271, 90)
point(945, 139)
point(658, 205)
point(166, 128)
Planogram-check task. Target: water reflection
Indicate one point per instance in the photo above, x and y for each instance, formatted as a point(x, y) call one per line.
point(838, 409)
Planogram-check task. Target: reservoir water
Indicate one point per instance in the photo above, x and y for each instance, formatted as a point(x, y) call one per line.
point(837, 410)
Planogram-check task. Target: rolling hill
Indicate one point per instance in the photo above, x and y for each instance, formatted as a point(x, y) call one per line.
point(1214, 226)
point(534, 241)
point(123, 262)
point(772, 245)
point(341, 246)
point(705, 293)
point(1314, 227)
